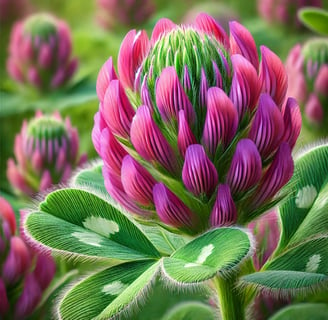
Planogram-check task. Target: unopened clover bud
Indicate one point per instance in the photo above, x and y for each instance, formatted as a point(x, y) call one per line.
point(46, 151)
point(307, 67)
point(40, 52)
point(194, 126)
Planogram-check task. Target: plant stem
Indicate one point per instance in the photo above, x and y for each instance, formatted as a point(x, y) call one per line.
point(230, 298)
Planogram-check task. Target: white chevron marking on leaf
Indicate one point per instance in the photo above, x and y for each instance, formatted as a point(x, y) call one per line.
point(101, 225)
point(313, 263)
point(306, 196)
point(92, 239)
point(114, 288)
point(204, 254)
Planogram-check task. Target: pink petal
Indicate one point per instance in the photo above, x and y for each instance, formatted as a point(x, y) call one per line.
point(99, 125)
point(273, 76)
point(149, 141)
point(133, 49)
point(246, 167)
point(208, 25)
point(314, 110)
point(46, 181)
point(293, 122)
point(221, 120)
point(267, 127)
point(171, 210)
point(245, 87)
point(224, 212)
point(185, 135)
point(171, 98)
point(117, 110)
point(7, 214)
point(162, 27)
point(105, 76)
point(137, 181)
point(199, 174)
point(242, 42)
point(321, 82)
point(44, 271)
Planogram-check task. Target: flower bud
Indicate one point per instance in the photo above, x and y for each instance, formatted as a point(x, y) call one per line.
point(174, 141)
point(46, 151)
point(40, 52)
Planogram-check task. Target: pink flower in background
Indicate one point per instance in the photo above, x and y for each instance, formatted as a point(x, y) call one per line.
point(284, 11)
point(195, 131)
point(40, 52)
point(307, 67)
point(46, 152)
point(128, 13)
point(24, 274)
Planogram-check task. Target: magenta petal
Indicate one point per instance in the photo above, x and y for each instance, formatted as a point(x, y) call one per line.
point(171, 98)
point(185, 135)
point(246, 167)
point(208, 25)
point(278, 174)
point(293, 121)
point(221, 120)
point(267, 127)
point(16, 178)
point(111, 151)
point(115, 188)
point(46, 181)
point(162, 27)
point(242, 42)
point(137, 181)
point(224, 212)
point(29, 298)
point(106, 75)
point(117, 109)
point(245, 87)
point(149, 141)
point(145, 94)
point(99, 125)
point(199, 174)
point(133, 49)
point(45, 56)
point(314, 110)
point(44, 271)
point(273, 76)
point(203, 89)
point(171, 209)
point(17, 262)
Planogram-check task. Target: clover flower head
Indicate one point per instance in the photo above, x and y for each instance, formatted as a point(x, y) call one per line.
point(40, 52)
point(307, 67)
point(24, 274)
point(46, 151)
point(195, 130)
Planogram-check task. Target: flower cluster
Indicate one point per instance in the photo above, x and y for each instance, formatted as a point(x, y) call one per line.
point(196, 130)
point(46, 150)
point(284, 11)
point(307, 68)
point(40, 52)
point(111, 13)
point(24, 274)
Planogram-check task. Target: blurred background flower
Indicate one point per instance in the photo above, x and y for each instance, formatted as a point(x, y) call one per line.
point(307, 68)
point(284, 12)
point(24, 274)
point(40, 52)
point(197, 142)
point(46, 151)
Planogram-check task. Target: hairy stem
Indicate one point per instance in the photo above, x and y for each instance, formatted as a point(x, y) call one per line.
point(230, 298)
